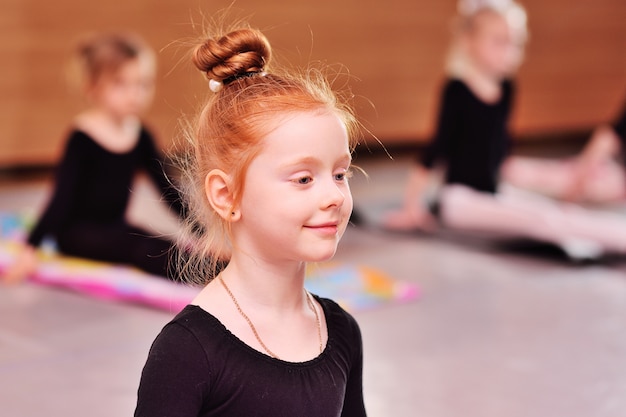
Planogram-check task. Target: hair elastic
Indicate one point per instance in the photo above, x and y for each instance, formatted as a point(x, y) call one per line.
point(216, 86)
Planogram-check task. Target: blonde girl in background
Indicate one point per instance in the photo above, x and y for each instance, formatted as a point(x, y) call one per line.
point(472, 142)
point(270, 191)
point(107, 145)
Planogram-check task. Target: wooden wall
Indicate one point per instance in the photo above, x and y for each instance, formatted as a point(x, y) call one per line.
point(574, 76)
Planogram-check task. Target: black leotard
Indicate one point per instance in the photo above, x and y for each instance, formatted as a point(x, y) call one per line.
point(197, 368)
point(472, 138)
point(86, 213)
point(620, 127)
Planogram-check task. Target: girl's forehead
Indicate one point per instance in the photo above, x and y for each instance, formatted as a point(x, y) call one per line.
point(491, 21)
point(302, 133)
point(142, 64)
point(307, 123)
point(132, 69)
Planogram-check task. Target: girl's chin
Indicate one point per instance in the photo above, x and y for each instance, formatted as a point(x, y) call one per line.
point(322, 257)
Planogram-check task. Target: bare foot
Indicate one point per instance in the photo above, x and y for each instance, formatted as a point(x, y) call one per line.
point(24, 266)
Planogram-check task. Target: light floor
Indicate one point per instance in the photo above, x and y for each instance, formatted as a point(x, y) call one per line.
point(496, 333)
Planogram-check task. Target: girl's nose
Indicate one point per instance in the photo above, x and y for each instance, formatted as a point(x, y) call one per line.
point(334, 195)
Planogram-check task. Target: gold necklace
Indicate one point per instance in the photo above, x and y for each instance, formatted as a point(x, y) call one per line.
point(256, 334)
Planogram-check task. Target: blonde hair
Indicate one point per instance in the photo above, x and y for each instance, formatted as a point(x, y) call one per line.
point(470, 14)
point(104, 54)
point(228, 131)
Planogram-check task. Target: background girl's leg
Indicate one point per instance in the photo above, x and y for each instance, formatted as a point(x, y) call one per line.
point(507, 216)
point(514, 213)
point(571, 221)
point(119, 243)
point(551, 177)
point(588, 178)
point(604, 183)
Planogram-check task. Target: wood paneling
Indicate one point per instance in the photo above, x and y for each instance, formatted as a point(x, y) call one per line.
point(574, 76)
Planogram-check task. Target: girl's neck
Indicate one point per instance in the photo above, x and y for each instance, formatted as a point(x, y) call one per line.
point(111, 119)
point(114, 133)
point(487, 87)
point(274, 287)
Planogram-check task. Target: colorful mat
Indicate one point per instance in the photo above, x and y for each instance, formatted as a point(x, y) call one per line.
point(355, 287)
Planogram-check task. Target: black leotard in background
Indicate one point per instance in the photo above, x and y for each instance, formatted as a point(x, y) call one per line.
point(472, 139)
point(197, 368)
point(86, 213)
point(620, 129)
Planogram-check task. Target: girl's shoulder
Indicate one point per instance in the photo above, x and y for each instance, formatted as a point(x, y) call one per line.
point(193, 331)
point(331, 306)
point(338, 320)
point(508, 86)
point(458, 84)
point(458, 90)
point(80, 141)
point(194, 318)
point(115, 138)
point(455, 89)
point(455, 84)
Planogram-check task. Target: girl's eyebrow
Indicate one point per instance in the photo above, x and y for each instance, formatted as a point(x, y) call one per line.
point(311, 160)
point(306, 160)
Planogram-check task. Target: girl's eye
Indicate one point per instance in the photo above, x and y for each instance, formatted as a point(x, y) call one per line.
point(304, 180)
point(343, 176)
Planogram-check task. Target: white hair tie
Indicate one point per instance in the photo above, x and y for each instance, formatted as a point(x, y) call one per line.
point(216, 86)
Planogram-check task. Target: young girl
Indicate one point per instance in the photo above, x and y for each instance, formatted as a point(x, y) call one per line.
point(472, 140)
point(272, 155)
point(106, 146)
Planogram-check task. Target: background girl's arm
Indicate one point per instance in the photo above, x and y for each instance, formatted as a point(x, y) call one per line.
point(69, 171)
point(154, 164)
point(414, 212)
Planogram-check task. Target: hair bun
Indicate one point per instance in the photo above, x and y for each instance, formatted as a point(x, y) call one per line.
point(234, 54)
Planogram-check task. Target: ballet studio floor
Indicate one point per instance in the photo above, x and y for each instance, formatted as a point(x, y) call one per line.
point(497, 332)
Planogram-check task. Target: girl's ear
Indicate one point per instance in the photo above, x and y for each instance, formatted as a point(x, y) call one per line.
point(219, 193)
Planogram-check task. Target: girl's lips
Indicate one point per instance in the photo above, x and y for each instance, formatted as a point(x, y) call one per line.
point(326, 229)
